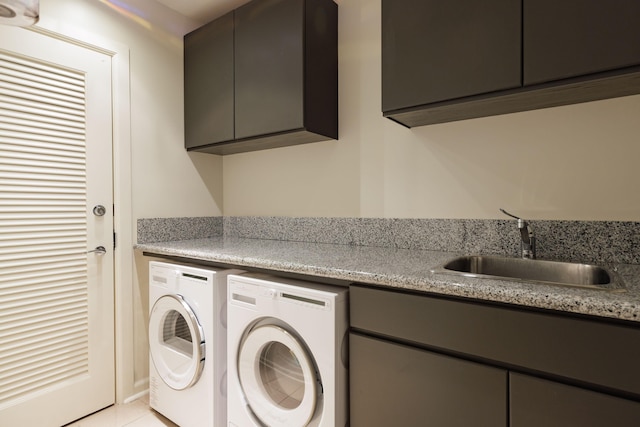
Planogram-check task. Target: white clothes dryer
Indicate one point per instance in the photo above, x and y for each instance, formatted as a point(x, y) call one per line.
point(187, 343)
point(287, 353)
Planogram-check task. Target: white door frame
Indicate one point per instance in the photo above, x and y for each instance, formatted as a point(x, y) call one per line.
point(122, 192)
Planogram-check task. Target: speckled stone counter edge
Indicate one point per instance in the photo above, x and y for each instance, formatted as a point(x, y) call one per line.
point(577, 241)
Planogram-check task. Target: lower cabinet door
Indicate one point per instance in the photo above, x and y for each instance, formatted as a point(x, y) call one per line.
point(398, 385)
point(536, 402)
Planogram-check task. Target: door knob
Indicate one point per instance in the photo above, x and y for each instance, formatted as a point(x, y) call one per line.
point(99, 210)
point(100, 250)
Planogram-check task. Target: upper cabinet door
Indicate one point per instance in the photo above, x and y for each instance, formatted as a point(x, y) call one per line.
point(263, 76)
point(570, 38)
point(208, 83)
point(269, 67)
point(437, 50)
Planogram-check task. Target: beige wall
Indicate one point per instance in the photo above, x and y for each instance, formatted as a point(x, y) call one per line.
point(573, 162)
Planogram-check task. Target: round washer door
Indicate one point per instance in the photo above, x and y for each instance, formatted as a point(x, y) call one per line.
point(176, 342)
point(278, 377)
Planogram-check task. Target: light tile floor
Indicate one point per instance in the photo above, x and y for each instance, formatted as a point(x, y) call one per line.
point(134, 414)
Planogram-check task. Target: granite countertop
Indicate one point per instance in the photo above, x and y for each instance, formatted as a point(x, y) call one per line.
point(404, 268)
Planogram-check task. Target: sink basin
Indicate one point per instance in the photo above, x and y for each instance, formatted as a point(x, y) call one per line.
point(528, 270)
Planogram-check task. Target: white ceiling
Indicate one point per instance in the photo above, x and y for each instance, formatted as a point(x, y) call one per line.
point(202, 11)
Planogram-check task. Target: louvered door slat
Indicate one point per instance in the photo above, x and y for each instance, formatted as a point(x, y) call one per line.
point(27, 292)
point(39, 379)
point(31, 282)
point(44, 262)
point(55, 153)
point(58, 332)
point(55, 344)
point(27, 324)
point(45, 132)
point(24, 117)
point(42, 267)
point(34, 338)
point(26, 67)
point(15, 377)
point(38, 96)
point(60, 350)
point(26, 77)
point(9, 185)
point(34, 223)
point(25, 255)
point(37, 147)
point(43, 227)
point(47, 111)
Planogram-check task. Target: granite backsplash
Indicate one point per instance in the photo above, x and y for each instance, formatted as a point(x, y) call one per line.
point(578, 241)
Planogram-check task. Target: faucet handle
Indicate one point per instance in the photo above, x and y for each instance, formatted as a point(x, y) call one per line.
point(511, 215)
point(521, 222)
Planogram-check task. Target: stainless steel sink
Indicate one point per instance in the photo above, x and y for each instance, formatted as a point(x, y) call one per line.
point(530, 270)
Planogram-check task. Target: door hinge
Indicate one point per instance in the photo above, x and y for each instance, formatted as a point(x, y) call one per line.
point(114, 231)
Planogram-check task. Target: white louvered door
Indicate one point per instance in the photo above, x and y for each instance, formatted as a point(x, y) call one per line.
point(56, 298)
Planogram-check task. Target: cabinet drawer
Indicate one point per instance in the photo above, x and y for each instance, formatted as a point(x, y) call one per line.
point(396, 385)
point(535, 402)
point(586, 350)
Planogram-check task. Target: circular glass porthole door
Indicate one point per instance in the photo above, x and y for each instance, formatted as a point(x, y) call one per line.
point(278, 377)
point(176, 342)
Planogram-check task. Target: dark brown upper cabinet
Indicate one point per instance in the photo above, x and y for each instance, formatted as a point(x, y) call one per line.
point(208, 84)
point(436, 50)
point(571, 38)
point(263, 76)
point(446, 60)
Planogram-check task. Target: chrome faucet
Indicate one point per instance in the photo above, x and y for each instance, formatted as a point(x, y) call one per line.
point(528, 240)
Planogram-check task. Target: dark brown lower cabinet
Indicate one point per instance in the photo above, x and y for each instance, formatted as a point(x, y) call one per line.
point(426, 360)
point(397, 385)
point(536, 402)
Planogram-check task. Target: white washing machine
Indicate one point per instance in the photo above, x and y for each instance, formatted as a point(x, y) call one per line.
point(187, 343)
point(287, 353)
